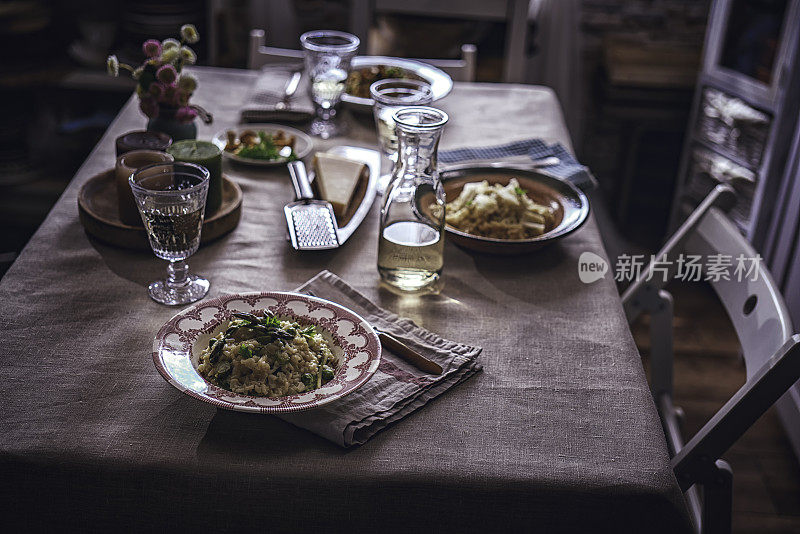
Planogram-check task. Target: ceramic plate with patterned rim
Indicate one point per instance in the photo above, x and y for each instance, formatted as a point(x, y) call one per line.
point(179, 343)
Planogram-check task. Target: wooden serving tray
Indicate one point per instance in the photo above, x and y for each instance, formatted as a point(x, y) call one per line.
point(99, 214)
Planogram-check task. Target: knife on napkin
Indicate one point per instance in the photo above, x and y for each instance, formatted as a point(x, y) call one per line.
point(407, 353)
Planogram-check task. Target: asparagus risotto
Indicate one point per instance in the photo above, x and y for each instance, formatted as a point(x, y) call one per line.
point(264, 356)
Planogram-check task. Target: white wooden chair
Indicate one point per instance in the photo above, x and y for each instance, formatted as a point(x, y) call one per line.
point(513, 12)
point(259, 55)
point(771, 354)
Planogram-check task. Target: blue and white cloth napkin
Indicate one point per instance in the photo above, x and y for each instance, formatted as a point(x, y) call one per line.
point(525, 151)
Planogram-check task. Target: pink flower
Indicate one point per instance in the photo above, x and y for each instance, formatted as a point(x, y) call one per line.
point(166, 74)
point(185, 114)
point(149, 107)
point(151, 48)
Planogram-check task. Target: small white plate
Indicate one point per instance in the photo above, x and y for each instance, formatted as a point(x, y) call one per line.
point(180, 342)
point(302, 143)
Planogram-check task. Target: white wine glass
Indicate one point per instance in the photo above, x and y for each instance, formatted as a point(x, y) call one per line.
point(171, 198)
point(327, 55)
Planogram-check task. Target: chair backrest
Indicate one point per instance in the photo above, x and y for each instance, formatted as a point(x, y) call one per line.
point(751, 299)
point(708, 240)
point(258, 55)
point(461, 70)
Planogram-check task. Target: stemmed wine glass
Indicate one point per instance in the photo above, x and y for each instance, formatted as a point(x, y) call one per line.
point(327, 55)
point(171, 198)
point(390, 95)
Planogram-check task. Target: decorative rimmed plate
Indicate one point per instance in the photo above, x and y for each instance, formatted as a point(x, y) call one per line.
point(179, 343)
point(441, 82)
point(302, 147)
point(570, 205)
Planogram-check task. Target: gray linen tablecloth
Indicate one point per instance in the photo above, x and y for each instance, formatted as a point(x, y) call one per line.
point(558, 433)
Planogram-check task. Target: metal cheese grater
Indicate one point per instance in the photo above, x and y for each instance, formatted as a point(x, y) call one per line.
point(312, 225)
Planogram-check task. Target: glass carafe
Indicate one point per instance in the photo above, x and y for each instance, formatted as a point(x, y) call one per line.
point(411, 242)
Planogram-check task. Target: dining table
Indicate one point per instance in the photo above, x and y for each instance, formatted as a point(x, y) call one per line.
point(558, 433)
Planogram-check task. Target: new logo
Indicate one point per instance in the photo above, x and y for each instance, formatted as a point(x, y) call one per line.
point(591, 267)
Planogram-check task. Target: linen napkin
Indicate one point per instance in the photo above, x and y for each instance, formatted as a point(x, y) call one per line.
point(267, 91)
point(397, 388)
point(525, 151)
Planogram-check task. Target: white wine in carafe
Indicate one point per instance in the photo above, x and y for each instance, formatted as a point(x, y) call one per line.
point(410, 254)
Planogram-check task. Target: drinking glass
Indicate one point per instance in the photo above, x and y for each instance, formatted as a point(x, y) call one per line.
point(389, 96)
point(171, 198)
point(327, 55)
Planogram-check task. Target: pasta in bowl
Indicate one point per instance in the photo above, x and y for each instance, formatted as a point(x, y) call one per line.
point(507, 210)
point(499, 211)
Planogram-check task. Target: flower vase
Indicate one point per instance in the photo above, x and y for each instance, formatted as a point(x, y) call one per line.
point(166, 122)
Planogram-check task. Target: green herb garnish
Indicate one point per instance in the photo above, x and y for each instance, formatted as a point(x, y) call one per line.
point(309, 331)
point(271, 320)
point(245, 351)
point(393, 72)
point(265, 149)
point(519, 191)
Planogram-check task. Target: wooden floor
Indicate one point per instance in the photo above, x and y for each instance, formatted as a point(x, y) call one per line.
point(708, 370)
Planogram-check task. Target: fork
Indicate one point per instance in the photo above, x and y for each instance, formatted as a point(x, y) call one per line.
point(289, 90)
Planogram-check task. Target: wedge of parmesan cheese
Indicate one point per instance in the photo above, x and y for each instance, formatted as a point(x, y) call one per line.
point(337, 180)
